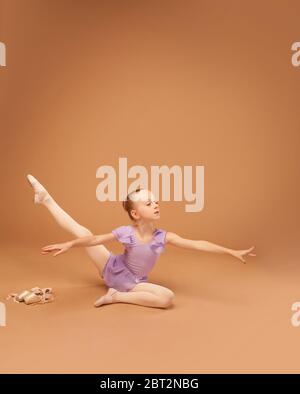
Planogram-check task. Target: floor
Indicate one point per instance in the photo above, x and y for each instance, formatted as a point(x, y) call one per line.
point(226, 317)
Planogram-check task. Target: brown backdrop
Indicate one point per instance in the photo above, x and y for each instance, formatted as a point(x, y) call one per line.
point(188, 83)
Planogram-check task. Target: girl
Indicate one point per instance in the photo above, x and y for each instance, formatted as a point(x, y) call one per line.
point(126, 274)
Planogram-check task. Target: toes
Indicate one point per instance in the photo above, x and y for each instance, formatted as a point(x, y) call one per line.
point(103, 300)
point(106, 298)
point(99, 302)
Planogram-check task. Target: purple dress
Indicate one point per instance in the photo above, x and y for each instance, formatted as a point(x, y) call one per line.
point(124, 271)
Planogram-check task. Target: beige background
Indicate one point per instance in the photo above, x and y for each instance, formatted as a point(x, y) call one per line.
point(188, 83)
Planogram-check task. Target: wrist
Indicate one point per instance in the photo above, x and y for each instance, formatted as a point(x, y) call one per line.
point(71, 243)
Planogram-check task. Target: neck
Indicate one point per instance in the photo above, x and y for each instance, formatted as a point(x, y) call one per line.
point(144, 227)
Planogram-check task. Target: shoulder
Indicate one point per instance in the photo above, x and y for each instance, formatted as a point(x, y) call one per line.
point(174, 239)
point(171, 236)
point(121, 229)
point(166, 236)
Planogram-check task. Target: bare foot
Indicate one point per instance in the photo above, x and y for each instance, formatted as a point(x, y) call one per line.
point(107, 298)
point(40, 193)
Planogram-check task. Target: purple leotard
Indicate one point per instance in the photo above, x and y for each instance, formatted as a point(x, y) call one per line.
point(124, 271)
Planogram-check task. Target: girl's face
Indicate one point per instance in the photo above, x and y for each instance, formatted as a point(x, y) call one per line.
point(145, 206)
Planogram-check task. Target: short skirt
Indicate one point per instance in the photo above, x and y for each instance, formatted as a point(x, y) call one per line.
point(117, 275)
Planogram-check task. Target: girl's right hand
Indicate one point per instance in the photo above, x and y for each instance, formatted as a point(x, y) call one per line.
point(61, 248)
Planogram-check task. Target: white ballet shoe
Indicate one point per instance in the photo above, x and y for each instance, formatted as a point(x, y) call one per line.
point(107, 298)
point(35, 296)
point(40, 193)
point(20, 297)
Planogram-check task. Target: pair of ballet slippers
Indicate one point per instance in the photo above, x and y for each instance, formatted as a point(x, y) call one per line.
point(36, 295)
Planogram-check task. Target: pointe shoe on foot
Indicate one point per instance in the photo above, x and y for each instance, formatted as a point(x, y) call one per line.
point(107, 298)
point(40, 193)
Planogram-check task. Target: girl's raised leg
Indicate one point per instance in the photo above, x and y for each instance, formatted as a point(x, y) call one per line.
point(99, 254)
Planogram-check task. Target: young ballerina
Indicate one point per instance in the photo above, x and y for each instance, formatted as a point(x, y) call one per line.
point(126, 275)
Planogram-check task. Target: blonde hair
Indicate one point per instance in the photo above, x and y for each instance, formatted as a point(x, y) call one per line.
point(128, 204)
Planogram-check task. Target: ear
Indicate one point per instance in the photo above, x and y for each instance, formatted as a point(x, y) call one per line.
point(134, 214)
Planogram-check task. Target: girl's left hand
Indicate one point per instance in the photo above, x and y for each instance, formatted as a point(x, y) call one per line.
point(241, 253)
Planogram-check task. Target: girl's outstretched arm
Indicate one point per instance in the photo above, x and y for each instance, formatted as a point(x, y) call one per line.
point(176, 240)
point(89, 240)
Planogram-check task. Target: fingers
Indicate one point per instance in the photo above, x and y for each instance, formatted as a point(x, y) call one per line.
point(50, 247)
point(55, 254)
point(249, 250)
point(47, 251)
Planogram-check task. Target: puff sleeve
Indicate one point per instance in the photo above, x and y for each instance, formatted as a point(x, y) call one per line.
point(158, 244)
point(124, 235)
